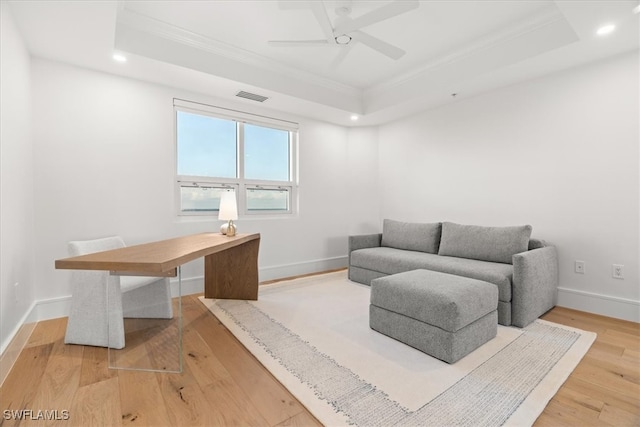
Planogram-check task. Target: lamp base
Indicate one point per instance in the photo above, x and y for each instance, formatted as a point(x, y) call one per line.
point(224, 227)
point(231, 229)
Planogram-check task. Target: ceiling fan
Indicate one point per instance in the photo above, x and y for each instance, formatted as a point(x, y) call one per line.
point(346, 30)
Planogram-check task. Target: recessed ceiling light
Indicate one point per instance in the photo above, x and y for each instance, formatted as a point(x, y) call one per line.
point(636, 9)
point(354, 117)
point(119, 58)
point(606, 29)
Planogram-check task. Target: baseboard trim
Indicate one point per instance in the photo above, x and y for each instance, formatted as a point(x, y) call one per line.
point(300, 268)
point(190, 286)
point(10, 350)
point(24, 320)
point(605, 305)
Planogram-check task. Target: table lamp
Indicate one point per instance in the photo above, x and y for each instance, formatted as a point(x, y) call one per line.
point(228, 212)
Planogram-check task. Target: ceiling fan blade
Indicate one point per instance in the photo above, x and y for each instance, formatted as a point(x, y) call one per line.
point(376, 44)
point(395, 8)
point(297, 43)
point(317, 7)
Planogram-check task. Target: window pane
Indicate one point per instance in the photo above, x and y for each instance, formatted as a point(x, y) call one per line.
point(198, 199)
point(267, 199)
point(266, 153)
point(206, 146)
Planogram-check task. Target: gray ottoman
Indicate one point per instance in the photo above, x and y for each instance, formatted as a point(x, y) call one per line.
point(443, 315)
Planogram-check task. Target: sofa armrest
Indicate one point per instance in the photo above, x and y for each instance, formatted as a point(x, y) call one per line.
point(364, 241)
point(535, 284)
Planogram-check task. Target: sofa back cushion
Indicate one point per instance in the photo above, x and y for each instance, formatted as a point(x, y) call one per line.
point(411, 236)
point(495, 244)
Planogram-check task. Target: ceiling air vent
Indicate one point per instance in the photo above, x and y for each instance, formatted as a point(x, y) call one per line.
point(251, 96)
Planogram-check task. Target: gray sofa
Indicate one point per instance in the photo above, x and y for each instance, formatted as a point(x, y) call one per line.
point(525, 270)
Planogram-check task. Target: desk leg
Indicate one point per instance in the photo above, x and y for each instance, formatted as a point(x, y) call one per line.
point(233, 273)
point(152, 343)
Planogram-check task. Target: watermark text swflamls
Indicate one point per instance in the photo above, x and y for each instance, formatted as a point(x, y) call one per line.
point(36, 414)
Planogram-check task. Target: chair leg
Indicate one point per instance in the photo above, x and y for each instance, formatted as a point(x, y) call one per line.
point(152, 301)
point(89, 312)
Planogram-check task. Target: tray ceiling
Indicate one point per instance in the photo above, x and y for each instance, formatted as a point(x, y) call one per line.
point(461, 47)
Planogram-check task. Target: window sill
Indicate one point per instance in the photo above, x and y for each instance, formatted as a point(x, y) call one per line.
point(249, 218)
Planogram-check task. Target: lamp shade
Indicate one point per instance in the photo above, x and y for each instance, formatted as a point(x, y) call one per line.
point(228, 206)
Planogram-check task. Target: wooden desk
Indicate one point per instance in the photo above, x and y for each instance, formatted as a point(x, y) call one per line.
point(230, 263)
point(230, 271)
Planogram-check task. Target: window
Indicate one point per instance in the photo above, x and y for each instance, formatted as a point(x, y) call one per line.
point(219, 150)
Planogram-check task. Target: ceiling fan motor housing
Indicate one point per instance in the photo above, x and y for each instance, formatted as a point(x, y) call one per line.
point(343, 39)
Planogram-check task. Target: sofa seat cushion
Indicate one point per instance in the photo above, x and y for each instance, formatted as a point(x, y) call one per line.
point(393, 261)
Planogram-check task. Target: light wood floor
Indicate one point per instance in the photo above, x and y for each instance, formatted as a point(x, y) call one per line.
point(224, 385)
point(604, 389)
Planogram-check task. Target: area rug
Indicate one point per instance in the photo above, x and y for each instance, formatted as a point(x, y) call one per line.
point(313, 335)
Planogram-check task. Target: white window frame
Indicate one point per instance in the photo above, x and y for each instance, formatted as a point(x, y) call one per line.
point(240, 184)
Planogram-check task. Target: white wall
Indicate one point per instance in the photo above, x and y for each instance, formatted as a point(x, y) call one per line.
point(16, 181)
point(364, 200)
point(559, 153)
point(104, 164)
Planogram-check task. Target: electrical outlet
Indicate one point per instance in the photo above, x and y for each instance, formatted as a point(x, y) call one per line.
point(618, 271)
point(579, 267)
point(15, 291)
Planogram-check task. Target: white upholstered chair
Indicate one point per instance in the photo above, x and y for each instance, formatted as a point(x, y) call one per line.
point(129, 296)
